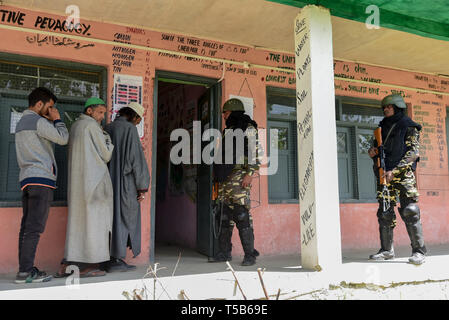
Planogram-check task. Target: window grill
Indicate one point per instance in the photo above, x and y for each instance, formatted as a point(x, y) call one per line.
point(17, 80)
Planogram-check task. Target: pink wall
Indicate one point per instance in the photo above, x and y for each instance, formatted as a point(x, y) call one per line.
point(276, 225)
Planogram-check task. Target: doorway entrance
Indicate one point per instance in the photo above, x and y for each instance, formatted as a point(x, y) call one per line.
point(182, 209)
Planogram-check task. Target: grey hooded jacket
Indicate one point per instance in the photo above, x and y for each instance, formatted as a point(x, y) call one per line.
point(35, 136)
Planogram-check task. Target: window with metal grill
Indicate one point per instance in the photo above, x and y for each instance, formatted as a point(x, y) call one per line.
point(72, 86)
point(281, 116)
point(356, 121)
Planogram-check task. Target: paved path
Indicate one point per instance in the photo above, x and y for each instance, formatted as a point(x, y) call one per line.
point(357, 278)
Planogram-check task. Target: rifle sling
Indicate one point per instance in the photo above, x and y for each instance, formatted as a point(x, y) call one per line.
point(388, 134)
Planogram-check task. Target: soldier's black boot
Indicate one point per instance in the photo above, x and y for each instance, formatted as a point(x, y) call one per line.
point(386, 226)
point(247, 239)
point(416, 238)
point(411, 216)
point(225, 245)
point(246, 233)
point(386, 251)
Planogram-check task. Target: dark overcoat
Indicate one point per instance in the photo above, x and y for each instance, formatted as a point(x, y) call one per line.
point(129, 174)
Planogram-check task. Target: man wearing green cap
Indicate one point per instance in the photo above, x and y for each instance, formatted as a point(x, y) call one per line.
point(130, 179)
point(90, 195)
point(234, 180)
point(400, 137)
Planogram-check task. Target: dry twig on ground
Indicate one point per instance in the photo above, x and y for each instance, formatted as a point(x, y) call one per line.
point(259, 271)
point(235, 277)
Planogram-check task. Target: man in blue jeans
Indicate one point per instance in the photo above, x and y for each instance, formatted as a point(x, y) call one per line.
point(36, 132)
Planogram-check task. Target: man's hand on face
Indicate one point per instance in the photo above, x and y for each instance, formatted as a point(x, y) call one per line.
point(53, 114)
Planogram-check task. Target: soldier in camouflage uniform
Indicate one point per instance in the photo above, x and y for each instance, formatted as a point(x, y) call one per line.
point(400, 136)
point(234, 179)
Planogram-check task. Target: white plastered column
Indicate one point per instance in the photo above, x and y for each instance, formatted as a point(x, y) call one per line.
point(317, 142)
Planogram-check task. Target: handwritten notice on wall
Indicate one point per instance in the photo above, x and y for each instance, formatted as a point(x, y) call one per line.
point(433, 147)
point(55, 41)
point(305, 139)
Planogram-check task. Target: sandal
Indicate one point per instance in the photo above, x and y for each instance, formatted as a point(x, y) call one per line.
point(61, 273)
point(92, 273)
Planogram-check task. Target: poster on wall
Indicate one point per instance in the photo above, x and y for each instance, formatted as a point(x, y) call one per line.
point(248, 103)
point(15, 118)
point(127, 89)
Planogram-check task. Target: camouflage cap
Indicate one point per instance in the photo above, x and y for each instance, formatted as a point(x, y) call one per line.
point(395, 99)
point(233, 105)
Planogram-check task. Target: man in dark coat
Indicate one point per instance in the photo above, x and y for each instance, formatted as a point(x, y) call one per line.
point(130, 179)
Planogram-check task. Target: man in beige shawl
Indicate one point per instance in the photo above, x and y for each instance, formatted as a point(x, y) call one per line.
point(90, 194)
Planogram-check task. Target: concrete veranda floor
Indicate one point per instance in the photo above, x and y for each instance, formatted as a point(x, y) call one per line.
point(202, 280)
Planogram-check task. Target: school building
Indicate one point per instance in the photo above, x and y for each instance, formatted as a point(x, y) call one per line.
point(182, 59)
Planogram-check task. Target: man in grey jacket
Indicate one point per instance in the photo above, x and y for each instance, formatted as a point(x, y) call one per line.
point(36, 132)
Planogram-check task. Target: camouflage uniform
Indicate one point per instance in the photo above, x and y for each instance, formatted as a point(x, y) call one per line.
point(235, 200)
point(403, 184)
point(402, 187)
point(231, 191)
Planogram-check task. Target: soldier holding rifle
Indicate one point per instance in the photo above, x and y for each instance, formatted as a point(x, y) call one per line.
point(395, 156)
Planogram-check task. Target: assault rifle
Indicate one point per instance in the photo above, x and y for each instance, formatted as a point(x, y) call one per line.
point(217, 210)
point(380, 152)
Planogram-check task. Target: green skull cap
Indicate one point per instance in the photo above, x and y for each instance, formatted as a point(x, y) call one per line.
point(94, 101)
point(233, 105)
point(395, 99)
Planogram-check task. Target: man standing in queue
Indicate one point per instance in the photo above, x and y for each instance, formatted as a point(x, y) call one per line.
point(400, 136)
point(130, 179)
point(37, 131)
point(234, 178)
point(90, 194)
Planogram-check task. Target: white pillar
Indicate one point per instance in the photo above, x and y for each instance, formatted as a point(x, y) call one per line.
point(317, 142)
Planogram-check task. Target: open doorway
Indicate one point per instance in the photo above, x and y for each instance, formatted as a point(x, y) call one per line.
point(182, 209)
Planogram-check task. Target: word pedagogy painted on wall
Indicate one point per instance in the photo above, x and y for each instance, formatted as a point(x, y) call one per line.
point(45, 23)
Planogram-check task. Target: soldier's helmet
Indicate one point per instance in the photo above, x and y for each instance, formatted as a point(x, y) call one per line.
point(394, 99)
point(233, 105)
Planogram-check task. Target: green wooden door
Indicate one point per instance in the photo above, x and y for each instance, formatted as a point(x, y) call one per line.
point(345, 172)
point(282, 184)
point(367, 180)
point(209, 116)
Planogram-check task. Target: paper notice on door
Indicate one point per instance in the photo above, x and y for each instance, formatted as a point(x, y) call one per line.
point(248, 103)
point(15, 117)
